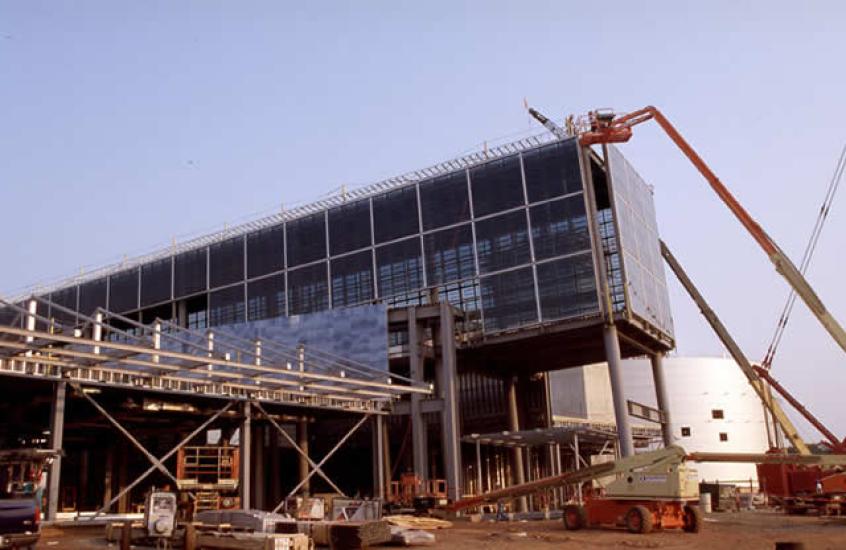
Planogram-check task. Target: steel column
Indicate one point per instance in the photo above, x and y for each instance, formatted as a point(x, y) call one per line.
point(419, 436)
point(615, 372)
point(57, 429)
point(479, 489)
point(379, 449)
point(662, 397)
point(245, 442)
point(302, 463)
point(449, 392)
point(519, 473)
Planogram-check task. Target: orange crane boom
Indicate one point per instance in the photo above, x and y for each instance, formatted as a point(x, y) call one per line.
point(610, 128)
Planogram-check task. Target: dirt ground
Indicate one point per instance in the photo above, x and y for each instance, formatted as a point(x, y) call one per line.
point(728, 531)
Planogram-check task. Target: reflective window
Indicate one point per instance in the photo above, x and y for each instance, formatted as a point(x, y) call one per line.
point(266, 251)
point(497, 186)
point(352, 279)
point(123, 291)
point(567, 287)
point(349, 227)
point(508, 299)
point(65, 298)
point(444, 200)
point(197, 309)
point(560, 227)
point(226, 262)
point(189, 269)
point(91, 296)
point(449, 255)
point(395, 214)
point(306, 238)
point(266, 298)
point(155, 282)
point(502, 241)
point(399, 267)
point(307, 289)
point(552, 170)
point(226, 306)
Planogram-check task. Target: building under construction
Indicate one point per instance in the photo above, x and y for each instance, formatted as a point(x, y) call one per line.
point(401, 327)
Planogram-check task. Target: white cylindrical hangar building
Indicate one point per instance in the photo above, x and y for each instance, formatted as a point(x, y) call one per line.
point(712, 407)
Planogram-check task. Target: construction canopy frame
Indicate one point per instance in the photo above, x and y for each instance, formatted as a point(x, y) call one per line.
point(163, 357)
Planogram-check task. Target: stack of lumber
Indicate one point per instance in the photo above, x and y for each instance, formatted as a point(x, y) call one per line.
point(347, 535)
point(414, 522)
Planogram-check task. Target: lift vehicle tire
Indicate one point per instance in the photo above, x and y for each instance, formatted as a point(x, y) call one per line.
point(575, 517)
point(639, 519)
point(693, 519)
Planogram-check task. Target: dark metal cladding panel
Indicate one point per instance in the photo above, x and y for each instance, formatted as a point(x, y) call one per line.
point(567, 287)
point(349, 227)
point(400, 267)
point(502, 241)
point(65, 297)
point(352, 279)
point(156, 281)
point(306, 238)
point(226, 262)
point(308, 290)
point(560, 227)
point(189, 270)
point(395, 214)
point(445, 200)
point(449, 255)
point(123, 291)
point(266, 251)
point(226, 306)
point(552, 170)
point(266, 298)
point(92, 295)
point(508, 300)
point(497, 186)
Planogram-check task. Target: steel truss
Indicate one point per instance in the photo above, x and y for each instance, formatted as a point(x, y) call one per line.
point(163, 357)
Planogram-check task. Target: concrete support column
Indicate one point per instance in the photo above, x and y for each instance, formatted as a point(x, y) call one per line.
point(518, 470)
point(245, 443)
point(479, 489)
point(302, 463)
point(378, 456)
point(419, 436)
point(448, 381)
point(661, 396)
point(615, 372)
point(57, 429)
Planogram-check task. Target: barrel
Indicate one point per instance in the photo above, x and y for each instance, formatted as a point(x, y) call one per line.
point(705, 502)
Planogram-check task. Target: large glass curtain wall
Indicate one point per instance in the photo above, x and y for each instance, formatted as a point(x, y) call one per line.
point(507, 239)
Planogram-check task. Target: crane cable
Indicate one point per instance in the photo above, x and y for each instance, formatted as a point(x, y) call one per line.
point(806, 258)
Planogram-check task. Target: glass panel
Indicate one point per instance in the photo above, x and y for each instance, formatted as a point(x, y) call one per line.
point(306, 239)
point(226, 262)
point(266, 298)
point(502, 241)
point(352, 279)
point(266, 251)
point(399, 267)
point(197, 308)
point(552, 170)
point(123, 291)
point(226, 306)
point(395, 214)
point(155, 282)
point(349, 227)
point(449, 255)
point(560, 227)
point(189, 272)
point(497, 186)
point(444, 200)
point(508, 299)
point(307, 289)
point(567, 287)
point(65, 297)
point(91, 296)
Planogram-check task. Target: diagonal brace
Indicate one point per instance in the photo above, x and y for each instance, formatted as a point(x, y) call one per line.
point(169, 454)
point(290, 440)
point(325, 458)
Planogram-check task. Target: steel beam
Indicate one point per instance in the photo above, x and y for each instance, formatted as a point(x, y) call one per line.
point(448, 378)
point(519, 471)
point(615, 372)
point(57, 428)
point(245, 442)
point(419, 436)
point(662, 396)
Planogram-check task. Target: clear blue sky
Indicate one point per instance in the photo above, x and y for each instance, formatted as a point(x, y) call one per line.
point(125, 124)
